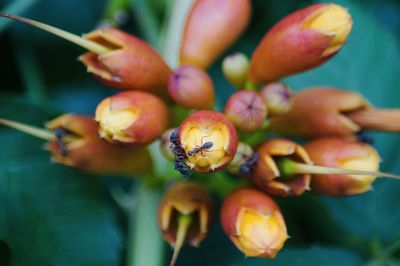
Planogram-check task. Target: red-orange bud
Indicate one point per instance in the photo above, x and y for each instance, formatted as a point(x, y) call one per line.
point(211, 27)
point(204, 127)
point(191, 87)
point(301, 41)
point(247, 110)
point(82, 148)
point(346, 154)
point(254, 223)
point(132, 117)
point(267, 175)
point(131, 64)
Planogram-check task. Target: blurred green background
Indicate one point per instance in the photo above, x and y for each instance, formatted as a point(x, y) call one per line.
point(53, 215)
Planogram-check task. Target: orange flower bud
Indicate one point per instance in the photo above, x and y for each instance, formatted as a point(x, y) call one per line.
point(335, 152)
point(73, 141)
point(247, 110)
point(132, 117)
point(132, 64)
point(235, 68)
point(267, 175)
point(211, 27)
point(209, 140)
point(254, 223)
point(192, 88)
point(116, 58)
point(185, 215)
point(299, 42)
point(278, 97)
point(325, 111)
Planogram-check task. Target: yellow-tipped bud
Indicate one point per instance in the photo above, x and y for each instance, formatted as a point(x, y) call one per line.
point(235, 68)
point(332, 20)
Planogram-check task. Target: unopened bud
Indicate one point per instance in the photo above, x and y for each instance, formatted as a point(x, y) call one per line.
point(278, 97)
point(132, 118)
point(254, 223)
point(247, 110)
point(191, 87)
point(235, 68)
point(243, 153)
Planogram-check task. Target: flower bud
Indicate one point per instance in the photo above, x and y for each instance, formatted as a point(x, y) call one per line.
point(209, 140)
point(243, 153)
point(340, 153)
point(268, 176)
point(73, 141)
point(299, 42)
point(166, 144)
point(278, 97)
point(132, 64)
point(211, 27)
point(132, 117)
point(254, 223)
point(185, 215)
point(235, 68)
point(116, 58)
point(325, 111)
point(191, 87)
point(247, 110)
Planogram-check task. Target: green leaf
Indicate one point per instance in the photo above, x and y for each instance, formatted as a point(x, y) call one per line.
point(50, 214)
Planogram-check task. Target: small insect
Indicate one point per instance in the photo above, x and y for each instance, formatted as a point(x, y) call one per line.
point(180, 156)
point(361, 136)
point(248, 167)
point(203, 147)
point(59, 135)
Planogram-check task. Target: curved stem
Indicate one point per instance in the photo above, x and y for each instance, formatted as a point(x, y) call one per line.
point(85, 43)
point(184, 222)
point(31, 130)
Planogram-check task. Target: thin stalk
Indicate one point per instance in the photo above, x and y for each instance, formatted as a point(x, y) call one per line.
point(288, 167)
point(145, 246)
point(377, 119)
point(250, 85)
point(31, 130)
point(16, 7)
point(80, 41)
point(184, 222)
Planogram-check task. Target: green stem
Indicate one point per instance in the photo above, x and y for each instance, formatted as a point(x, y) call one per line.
point(16, 7)
point(113, 9)
point(145, 246)
point(250, 85)
point(85, 43)
point(288, 167)
point(184, 222)
point(147, 20)
point(31, 74)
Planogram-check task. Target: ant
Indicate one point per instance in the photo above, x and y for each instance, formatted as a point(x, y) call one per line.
point(361, 136)
point(179, 163)
point(59, 134)
point(196, 150)
point(248, 167)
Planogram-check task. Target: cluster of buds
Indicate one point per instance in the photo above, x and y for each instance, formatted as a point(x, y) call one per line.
point(206, 141)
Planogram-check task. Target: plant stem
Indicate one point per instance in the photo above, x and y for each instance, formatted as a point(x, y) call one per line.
point(145, 246)
point(31, 130)
point(147, 20)
point(15, 7)
point(184, 222)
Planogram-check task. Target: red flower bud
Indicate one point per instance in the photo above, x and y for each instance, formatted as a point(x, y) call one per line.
point(185, 215)
point(73, 141)
point(332, 112)
point(208, 128)
point(268, 176)
point(116, 58)
point(301, 41)
point(247, 110)
point(278, 97)
point(254, 223)
point(211, 27)
point(132, 117)
point(191, 87)
point(335, 152)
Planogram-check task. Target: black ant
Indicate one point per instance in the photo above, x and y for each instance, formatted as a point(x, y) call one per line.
point(59, 134)
point(180, 156)
point(361, 136)
point(248, 167)
point(203, 147)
